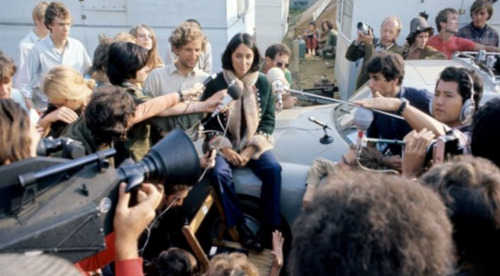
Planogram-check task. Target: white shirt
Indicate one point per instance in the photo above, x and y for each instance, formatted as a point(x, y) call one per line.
point(168, 79)
point(24, 47)
point(43, 56)
point(204, 61)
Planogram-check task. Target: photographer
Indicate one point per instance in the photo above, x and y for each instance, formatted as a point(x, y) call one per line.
point(366, 44)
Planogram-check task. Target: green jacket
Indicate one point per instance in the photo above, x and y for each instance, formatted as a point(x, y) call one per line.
point(427, 53)
point(355, 52)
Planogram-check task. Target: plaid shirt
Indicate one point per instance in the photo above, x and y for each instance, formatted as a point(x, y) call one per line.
point(486, 36)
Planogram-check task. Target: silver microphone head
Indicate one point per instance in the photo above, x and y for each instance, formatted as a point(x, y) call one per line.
point(363, 118)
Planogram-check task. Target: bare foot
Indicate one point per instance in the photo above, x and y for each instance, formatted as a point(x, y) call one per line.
point(277, 253)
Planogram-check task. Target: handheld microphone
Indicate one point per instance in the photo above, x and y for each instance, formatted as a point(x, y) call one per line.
point(209, 79)
point(277, 79)
point(362, 120)
point(319, 123)
point(233, 93)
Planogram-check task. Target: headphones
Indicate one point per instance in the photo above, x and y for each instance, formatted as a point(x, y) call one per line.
point(468, 107)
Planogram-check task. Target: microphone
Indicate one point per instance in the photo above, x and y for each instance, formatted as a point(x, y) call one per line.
point(233, 93)
point(209, 79)
point(319, 123)
point(278, 82)
point(362, 120)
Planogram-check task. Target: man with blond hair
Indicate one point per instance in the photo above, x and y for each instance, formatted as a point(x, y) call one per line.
point(188, 43)
point(55, 49)
point(36, 34)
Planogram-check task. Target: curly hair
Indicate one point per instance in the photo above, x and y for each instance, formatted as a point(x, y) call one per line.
point(372, 224)
point(54, 10)
point(15, 138)
point(470, 188)
point(186, 33)
point(109, 113)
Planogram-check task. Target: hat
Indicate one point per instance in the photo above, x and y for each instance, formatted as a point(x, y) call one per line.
point(419, 24)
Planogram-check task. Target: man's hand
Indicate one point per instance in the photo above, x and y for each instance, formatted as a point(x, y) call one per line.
point(289, 101)
point(63, 114)
point(193, 92)
point(381, 103)
point(130, 222)
point(208, 159)
point(363, 38)
point(232, 156)
point(393, 162)
point(211, 104)
point(415, 152)
point(246, 154)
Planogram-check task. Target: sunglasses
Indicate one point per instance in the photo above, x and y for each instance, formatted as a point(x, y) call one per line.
point(280, 64)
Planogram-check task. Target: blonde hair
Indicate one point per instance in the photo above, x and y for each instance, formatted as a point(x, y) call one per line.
point(39, 10)
point(154, 60)
point(125, 37)
point(231, 264)
point(185, 33)
point(64, 82)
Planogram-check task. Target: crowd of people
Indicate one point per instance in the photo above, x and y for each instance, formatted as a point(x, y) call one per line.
point(381, 210)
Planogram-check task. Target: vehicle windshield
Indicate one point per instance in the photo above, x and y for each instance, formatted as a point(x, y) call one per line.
point(343, 115)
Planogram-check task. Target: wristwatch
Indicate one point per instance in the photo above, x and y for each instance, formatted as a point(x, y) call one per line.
point(404, 103)
point(181, 97)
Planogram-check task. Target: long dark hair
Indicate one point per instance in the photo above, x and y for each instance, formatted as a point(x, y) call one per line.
point(236, 41)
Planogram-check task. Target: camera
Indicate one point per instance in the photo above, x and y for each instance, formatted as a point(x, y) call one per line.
point(67, 147)
point(364, 28)
point(444, 147)
point(66, 207)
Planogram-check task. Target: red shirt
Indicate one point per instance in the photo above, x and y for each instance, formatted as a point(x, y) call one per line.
point(131, 267)
point(452, 45)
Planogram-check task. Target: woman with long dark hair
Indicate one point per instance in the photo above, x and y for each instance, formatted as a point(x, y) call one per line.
point(250, 122)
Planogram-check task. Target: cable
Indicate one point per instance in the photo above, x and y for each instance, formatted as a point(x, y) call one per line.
point(148, 228)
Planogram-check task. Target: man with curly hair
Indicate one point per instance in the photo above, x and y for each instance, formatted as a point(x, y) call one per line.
point(372, 224)
point(188, 43)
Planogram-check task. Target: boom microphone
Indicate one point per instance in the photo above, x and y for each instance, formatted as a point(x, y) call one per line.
point(277, 79)
point(362, 120)
point(233, 93)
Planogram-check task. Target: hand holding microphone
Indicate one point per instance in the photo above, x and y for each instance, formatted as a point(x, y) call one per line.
point(233, 93)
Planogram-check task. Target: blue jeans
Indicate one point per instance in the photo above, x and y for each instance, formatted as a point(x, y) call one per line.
point(268, 169)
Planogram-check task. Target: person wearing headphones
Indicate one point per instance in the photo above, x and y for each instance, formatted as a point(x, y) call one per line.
point(456, 98)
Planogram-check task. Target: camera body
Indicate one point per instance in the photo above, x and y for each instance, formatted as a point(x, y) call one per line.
point(364, 28)
point(444, 147)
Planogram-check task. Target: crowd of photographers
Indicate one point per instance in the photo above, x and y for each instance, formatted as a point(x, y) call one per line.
point(431, 207)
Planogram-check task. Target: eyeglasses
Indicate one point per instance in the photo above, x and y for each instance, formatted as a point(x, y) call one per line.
point(281, 64)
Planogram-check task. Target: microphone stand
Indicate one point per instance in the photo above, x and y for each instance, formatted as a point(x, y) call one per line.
point(326, 139)
point(341, 101)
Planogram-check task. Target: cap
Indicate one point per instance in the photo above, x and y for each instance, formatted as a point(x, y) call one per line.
point(419, 24)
